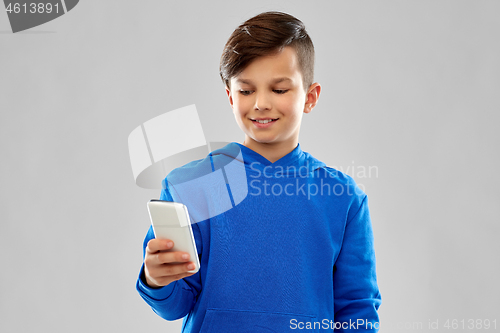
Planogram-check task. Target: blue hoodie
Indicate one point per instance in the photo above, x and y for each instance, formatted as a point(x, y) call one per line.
point(295, 253)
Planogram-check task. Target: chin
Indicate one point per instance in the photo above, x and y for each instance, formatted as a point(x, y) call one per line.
point(265, 140)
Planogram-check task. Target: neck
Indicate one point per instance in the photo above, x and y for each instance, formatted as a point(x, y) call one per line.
point(271, 151)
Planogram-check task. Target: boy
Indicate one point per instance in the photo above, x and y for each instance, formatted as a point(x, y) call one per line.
point(297, 252)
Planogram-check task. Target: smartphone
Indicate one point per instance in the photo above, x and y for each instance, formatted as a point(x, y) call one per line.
point(170, 220)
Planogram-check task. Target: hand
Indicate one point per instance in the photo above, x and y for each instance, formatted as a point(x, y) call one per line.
point(162, 268)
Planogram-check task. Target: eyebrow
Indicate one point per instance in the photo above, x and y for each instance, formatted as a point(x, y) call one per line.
point(277, 80)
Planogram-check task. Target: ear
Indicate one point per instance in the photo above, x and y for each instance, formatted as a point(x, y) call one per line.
point(230, 96)
point(312, 97)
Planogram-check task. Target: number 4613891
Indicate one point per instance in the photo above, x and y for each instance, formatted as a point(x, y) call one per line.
point(32, 8)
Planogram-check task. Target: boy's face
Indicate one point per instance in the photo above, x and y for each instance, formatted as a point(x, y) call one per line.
point(270, 88)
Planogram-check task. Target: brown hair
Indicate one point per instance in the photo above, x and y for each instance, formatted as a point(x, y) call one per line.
point(266, 34)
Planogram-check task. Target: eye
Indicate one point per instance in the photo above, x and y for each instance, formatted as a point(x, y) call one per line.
point(280, 91)
point(245, 92)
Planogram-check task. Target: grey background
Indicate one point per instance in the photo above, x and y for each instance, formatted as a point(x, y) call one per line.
point(410, 87)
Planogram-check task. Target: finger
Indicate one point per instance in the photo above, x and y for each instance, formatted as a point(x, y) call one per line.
point(170, 270)
point(181, 276)
point(156, 245)
point(172, 257)
point(167, 280)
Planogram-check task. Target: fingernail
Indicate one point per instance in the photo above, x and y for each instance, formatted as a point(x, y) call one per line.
point(170, 244)
point(185, 256)
point(190, 266)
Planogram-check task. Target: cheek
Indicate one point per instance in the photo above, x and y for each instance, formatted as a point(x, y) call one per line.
point(238, 108)
point(241, 105)
point(292, 106)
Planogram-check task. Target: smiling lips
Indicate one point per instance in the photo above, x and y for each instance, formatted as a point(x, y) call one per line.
point(263, 120)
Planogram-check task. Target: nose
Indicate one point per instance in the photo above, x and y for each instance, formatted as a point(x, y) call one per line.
point(262, 101)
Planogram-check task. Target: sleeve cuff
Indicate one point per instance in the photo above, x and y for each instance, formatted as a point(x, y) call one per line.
point(157, 294)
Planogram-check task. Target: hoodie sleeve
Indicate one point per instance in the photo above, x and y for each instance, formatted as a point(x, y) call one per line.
point(176, 299)
point(357, 297)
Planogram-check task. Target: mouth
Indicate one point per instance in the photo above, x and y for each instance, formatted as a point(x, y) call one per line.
point(263, 120)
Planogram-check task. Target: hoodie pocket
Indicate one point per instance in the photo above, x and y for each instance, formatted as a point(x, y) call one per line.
point(243, 321)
